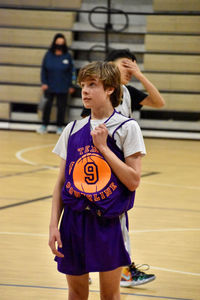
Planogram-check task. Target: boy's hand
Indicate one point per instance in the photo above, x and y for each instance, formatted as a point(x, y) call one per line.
point(132, 67)
point(99, 137)
point(54, 236)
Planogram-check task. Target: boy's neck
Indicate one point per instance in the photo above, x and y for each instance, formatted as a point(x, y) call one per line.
point(101, 114)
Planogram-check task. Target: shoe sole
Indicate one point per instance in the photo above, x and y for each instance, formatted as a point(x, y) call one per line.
point(131, 284)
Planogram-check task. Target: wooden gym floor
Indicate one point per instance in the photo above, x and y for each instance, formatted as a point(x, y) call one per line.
point(164, 224)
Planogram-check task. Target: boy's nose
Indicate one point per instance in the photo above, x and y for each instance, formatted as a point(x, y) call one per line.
point(84, 90)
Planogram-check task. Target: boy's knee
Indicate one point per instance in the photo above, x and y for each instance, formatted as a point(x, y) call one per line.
point(110, 296)
point(78, 294)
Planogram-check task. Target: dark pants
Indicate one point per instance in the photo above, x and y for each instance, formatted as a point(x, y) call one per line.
point(61, 101)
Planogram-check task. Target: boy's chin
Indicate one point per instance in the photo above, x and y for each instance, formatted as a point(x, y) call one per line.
point(86, 105)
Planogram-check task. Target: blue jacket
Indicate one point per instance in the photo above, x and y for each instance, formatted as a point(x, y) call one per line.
point(57, 72)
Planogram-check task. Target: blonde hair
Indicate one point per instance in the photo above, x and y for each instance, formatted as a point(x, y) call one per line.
point(109, 75)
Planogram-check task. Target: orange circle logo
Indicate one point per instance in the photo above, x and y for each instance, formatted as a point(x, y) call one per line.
point(91, 173)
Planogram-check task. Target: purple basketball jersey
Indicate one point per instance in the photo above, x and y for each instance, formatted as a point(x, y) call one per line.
point(90, 183)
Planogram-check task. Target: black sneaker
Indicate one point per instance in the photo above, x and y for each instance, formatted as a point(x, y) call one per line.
point(132, 276)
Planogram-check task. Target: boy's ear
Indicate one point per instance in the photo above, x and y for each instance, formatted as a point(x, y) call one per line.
point(110, 90)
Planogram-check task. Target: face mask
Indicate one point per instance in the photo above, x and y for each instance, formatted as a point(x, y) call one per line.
point(59, 47)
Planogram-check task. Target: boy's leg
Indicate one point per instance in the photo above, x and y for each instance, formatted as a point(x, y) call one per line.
point(78, 287)
point(132, 275)
point(110, 284)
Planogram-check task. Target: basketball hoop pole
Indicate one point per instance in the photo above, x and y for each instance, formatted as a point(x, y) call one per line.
point(108, 26)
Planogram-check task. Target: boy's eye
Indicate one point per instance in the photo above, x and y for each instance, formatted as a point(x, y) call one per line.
point(88, 84)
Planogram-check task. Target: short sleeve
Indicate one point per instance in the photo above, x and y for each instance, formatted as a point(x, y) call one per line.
point(61, 146)
point(136, 97)
point(132, 139)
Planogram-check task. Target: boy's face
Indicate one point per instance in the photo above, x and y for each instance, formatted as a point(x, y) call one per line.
point(93, 93)
point(125, 71)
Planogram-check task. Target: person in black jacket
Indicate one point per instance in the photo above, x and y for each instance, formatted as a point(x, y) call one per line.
point(133, 99)
point(57, 80)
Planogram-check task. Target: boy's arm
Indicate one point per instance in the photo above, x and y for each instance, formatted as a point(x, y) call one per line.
point(56, 210)
point(129, 172)
point(154, 98)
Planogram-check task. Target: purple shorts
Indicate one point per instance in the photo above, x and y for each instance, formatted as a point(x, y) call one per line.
point(90, 243)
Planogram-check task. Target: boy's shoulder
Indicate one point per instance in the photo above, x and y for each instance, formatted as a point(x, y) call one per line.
point(78, 124)
point(118, 120)
point(82, 121)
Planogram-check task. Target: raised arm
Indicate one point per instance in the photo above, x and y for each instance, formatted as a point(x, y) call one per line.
point(154, 98)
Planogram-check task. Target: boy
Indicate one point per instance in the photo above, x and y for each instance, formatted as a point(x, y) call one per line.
point(94, 193)
point(132, 100)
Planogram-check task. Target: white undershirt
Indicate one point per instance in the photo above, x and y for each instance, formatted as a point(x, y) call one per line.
point(128, 137)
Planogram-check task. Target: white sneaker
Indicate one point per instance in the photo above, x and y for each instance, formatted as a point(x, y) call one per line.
point(42, 129)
